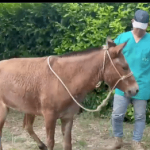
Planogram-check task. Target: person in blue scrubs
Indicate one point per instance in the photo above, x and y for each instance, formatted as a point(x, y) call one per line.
point(137, 54)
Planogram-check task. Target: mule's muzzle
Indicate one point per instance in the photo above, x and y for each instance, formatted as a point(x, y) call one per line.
point(132, 91)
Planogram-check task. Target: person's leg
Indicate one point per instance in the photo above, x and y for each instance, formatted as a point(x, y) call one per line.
point(140, 119)
point(120, 105)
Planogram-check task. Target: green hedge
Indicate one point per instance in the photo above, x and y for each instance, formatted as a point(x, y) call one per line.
point(39, 29)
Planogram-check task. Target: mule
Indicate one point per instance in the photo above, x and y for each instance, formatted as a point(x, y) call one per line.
point(29, 86)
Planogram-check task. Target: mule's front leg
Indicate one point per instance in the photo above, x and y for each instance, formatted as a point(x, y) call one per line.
point(66, 128)
point(50, 123)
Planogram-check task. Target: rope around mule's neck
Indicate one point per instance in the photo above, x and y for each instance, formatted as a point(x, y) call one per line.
point(105, 101)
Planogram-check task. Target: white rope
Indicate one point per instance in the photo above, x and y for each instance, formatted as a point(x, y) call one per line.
point(105, 101)
point(113, 64)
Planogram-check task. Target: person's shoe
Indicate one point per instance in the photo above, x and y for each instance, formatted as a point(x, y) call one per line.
point(137, 146)
point(117, 145)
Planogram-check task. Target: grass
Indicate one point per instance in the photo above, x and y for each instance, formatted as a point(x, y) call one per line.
point(89, 133)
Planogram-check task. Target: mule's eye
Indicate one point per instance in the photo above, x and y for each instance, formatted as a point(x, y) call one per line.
point(125, 68)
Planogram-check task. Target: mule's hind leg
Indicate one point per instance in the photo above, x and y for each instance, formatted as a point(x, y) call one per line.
point(3, 114)
point(28, 125)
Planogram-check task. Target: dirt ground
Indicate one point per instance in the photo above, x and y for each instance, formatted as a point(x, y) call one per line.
point(88, 133)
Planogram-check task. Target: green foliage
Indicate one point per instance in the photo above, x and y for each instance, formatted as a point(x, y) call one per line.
point(130, 113)
point(39, 29)
point(27, 29)
point(96, 97)
point(148, 112)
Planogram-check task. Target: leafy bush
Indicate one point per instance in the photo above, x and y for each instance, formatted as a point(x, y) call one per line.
point(39, 29)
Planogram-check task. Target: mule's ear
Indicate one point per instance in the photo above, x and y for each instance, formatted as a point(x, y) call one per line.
point(118, 48)
point(110, 42)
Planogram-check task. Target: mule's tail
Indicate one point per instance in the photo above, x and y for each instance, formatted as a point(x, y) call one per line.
point(24, 121)
point(28, 120)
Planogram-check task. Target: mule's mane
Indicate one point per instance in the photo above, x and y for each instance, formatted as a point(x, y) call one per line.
point(81, 52)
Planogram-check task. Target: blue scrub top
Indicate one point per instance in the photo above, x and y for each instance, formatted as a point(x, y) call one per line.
point(138, 57)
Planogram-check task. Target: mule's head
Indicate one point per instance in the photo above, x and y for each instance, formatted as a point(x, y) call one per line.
point(128, 85)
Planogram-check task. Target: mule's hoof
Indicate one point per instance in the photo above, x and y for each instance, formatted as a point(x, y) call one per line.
point(43, 147)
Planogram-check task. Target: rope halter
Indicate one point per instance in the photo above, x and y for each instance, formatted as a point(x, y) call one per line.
point(121, 77)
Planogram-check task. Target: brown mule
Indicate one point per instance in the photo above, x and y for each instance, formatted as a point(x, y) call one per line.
point(28, 85)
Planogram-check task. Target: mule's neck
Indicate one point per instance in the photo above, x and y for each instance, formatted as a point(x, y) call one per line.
point(83, 71)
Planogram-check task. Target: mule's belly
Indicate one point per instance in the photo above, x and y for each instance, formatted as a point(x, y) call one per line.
point(72, 108)
point(70, 111)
